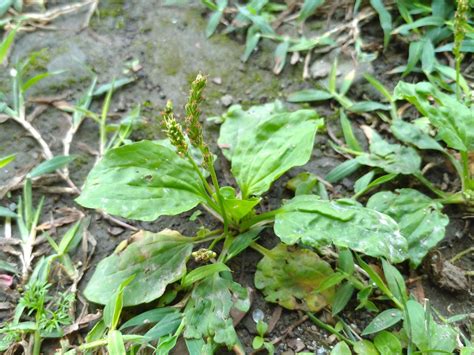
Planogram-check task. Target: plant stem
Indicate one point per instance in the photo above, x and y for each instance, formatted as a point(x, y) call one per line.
point(328, 328)
point(465, 169)
point(429, 185)
point(215, 241)
point(268, 217)
point(205, 236)
point(204, 182)
point(262, 250)
point(37, 343)
point(219, 199)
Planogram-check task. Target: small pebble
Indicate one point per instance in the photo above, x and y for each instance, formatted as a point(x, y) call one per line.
point(115, 231)
point(217, 80)
point(227, 100)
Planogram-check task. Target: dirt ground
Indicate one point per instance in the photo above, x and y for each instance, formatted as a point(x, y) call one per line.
point(172, 48)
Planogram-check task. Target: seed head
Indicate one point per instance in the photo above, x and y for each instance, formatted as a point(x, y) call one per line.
point(203, 255)
point(193, 126)
point(174, 130)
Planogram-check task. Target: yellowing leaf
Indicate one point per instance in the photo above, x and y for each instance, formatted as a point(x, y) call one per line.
point(291, 278)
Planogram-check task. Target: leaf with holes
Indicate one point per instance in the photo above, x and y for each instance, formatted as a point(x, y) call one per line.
point(291, 277)
point(207, 312)
point(345, 223)
point(156, 260)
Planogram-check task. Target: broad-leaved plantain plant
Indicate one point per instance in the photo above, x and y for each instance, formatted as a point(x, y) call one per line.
point(149, 179)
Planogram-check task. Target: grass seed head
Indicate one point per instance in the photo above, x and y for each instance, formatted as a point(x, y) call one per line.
point(174, 130)
point(193, 113)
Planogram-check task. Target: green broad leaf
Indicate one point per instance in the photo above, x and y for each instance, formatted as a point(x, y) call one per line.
point(237, 208)
point(272, 147)
point(207, 312)
point(115, 343)
point(309, 95)
point(51, 165)
point(385, 20)
point(341, 348)
point(383, 320)
point(425, 333)
point(292, 277)
point(242, 242)
point(142, 181)
point(420, 218)
point(343, 170)
point(308, 8)
point(368, 106)
point(345, 223)
point(342, 297)
point(149, 317)
point(365, 347)
point(411, 133)
point(387, 343)
point(203, 272)
point(194, 152)
point(238, 121)
point(156, 260)
point(4, 161)
point(393, 158)
point(452, 119)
